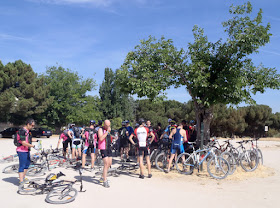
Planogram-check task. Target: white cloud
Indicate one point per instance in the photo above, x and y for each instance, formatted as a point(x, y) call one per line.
point(4, 36)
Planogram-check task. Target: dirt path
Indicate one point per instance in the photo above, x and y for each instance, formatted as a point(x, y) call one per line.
point(256, 189)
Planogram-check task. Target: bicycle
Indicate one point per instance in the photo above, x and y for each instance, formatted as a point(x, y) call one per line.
point(58, 191)
point(217, 167)
point(162, 159)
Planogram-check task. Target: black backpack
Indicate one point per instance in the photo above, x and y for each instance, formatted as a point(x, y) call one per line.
point(91, 133)
point(123, 133)
point(77, 132)
point(21, 133)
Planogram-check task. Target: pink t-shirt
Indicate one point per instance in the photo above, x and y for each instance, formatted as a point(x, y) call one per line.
point(86, 142)
point(104, 144)
point(23, 148)
point(63, 136)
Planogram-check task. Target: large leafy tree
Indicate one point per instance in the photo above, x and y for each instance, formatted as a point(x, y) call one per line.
point(69, 92)
point(22, 93)
point(115, 102)
point(220, 72)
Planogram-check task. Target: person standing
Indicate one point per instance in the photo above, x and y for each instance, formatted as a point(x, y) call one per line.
point(104, 145)
point(65, 137)
point(24, 137)
point(123, 141)
point(178, 136)
point(129, 131)
point(90, 144)
point(142, 133)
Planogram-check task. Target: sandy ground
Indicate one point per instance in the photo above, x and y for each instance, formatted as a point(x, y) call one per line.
point(242, 189)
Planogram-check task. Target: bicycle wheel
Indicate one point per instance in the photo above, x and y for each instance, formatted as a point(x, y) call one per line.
point(218, 167)
point(260, 156)
point(11, 169)
point(153, 156)
point(231, 160)
point(249, 161)
point(161, 161)
point(36, 171)
point(185, 164)
point(61, 195)
point(30, 189)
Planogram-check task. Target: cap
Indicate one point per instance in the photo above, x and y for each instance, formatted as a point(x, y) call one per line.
point(169, 120)
point(92, 122)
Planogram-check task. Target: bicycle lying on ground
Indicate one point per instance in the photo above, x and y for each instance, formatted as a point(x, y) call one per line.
point(58, 191)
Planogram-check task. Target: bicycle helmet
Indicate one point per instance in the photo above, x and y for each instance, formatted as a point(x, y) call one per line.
point(100, 122)
point(92, 122)
point(141, 121)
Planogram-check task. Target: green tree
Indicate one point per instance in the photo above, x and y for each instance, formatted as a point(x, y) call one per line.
point(218, 72)
point(70, 101)
point(22, 93)
point(115, 103)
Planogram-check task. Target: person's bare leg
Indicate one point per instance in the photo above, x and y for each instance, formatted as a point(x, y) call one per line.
point(148, 164)
point(21, 177)
point(84, 160)
point(105, 168)
point(141, 164)
point(92, 159)
point(170, 161)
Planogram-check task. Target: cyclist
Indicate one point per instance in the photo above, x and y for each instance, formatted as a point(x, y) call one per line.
point(178, 136)
point(192, 131)
point(76, 142)
point(90, 144)
point(129, 131)
point(65, 136)
point(123, 141)
point(104, 145)
point(142, 133)
point(24, 137)
point(171, 125)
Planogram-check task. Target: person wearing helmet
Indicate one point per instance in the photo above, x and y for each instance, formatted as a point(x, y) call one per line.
point(123, 141)
point(142, 133)
point(65, 137)
point(129, 131)
point(166, 133)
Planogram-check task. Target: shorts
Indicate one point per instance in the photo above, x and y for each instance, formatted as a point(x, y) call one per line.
point(65, 144)
point(24, 161)
point(89, 150)
point(124, 143)
point(178, 149)
point(76, 144)
point(106, 153)
point(144, 150)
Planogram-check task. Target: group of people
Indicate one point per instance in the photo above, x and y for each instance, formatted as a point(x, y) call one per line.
point(97, 139)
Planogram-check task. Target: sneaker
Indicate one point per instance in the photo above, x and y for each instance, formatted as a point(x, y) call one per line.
point(150, 175)
point(141, 176)
point(166, 171)
point(21, 185)
point(92, 169)
point(128, 160)
point(122, 160)
point(106, 184)
point(26, 180)
point(101, 180)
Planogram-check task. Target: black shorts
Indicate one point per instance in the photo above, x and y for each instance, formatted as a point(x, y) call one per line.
point(106, 153)
point(143, 150)
point(66, 143)
point(124, 143)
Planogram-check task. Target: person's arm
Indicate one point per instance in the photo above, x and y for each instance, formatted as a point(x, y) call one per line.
point(102, 135)
point(153, 136)
point(26, 144)
point(172, 133)
point(185, 139)
point(131, 140)
point(35, 140)
point(69, 134)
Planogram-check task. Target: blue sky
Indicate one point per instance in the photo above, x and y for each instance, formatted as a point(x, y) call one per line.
point(89, 35)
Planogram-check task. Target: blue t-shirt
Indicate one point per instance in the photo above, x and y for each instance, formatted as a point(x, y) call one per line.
point(130, 130)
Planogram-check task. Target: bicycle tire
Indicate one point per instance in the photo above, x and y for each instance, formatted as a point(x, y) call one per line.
point(250, 163)
point(231, 160)
point(30, 189)
point(36, 171)
point(61, 195)
point(161, 161)
point(185, 165)
point(153, 156)
point(260, 156)
point(218, 167)
point(11, 169)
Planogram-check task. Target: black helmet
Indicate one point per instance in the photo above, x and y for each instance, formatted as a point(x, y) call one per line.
point(100, 122)
point(141, 121)
point(123, 123)
point(92, 122)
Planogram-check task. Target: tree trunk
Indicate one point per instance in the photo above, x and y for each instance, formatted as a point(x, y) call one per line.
point(203, 115)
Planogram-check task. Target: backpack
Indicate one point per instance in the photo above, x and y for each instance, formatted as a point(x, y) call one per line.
point(21, 133)
point(91, 133)
point(77, 132)
point(123, 133)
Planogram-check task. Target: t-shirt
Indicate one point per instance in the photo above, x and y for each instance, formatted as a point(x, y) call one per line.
point(130, 130)
point(63, 136)
point(23, 135)
point(105, 143)
point(142, 134)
